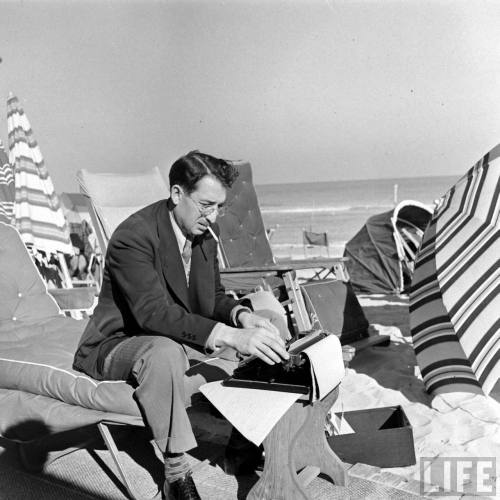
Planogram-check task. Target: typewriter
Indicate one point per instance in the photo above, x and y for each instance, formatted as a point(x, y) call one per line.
point(292, 375)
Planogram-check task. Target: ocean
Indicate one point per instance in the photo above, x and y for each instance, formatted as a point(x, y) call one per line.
point(340, 208)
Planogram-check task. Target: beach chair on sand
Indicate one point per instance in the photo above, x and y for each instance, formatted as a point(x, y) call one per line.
point(314, 240)
point(244, 240)
point(249, 262)
point(44, 404)
point(327, 267)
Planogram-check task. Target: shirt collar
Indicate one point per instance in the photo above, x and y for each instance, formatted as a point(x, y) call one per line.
point(179, 235)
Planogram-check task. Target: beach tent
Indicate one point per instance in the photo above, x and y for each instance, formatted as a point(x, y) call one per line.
point(382, 253)
point(6, 188)
point(454, 298)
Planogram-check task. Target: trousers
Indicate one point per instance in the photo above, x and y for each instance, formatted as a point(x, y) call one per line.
point(166, 374)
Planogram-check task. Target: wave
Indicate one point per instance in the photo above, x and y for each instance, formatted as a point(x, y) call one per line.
point(297, 210)
point(295, 251)
point(285, 246)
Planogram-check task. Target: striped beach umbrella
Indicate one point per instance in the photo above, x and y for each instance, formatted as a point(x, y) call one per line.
point(6, 188)
point(37, 210)
point(454, 299)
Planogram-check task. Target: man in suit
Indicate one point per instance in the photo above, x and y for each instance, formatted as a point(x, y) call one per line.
point(162, 303)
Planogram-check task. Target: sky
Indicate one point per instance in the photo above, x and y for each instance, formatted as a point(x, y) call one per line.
point(311, 90)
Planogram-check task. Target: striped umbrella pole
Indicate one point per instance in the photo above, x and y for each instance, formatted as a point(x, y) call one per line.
point(455, 299)
point(7, 193)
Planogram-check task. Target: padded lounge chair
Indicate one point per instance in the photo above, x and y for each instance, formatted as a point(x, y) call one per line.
point(40, 394)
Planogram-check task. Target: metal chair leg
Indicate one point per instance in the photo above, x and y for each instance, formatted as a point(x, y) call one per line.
point(111, 446)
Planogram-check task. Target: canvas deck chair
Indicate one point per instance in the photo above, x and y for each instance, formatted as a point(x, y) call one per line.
point(330, 268)
point(243, 235)
point(44, 404)
point(113, 197)
point(314, 240)
point(327, 304)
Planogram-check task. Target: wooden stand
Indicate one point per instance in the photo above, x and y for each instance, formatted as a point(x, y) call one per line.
point(297, 442)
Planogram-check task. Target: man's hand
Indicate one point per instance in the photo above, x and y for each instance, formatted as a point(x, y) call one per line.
point(261, 342)
point(252, 320)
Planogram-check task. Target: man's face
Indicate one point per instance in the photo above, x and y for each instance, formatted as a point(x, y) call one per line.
point(194, 211)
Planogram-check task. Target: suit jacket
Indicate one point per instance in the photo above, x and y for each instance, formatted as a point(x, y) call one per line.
point(144, 289)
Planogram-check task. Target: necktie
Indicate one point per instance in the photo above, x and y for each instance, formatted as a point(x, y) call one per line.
point(186, 252)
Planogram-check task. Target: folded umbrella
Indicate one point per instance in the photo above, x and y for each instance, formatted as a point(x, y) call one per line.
point(37, 210)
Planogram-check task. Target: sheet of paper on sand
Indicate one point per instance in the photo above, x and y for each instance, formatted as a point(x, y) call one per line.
point(254, 412)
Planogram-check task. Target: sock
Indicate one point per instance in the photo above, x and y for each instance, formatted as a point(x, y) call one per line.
point(176, 466)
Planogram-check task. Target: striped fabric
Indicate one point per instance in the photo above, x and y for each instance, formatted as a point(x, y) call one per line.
point(38, 213)
point(454, 299)
point(6, 188)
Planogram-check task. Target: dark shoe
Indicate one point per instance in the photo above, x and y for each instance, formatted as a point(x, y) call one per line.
point(182, 489)
point(242, 456)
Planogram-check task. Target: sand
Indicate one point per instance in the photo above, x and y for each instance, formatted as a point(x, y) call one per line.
point(459, 425)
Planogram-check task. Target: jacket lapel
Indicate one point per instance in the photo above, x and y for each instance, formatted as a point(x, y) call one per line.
point(171, 260)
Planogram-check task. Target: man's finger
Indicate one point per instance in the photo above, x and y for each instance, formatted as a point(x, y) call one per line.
point(269, 326)
point(264, 351)
point(280, 341)
point(271, 336)
point(277, 346)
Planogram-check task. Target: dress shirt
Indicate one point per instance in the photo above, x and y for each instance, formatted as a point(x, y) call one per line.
point(212, 343)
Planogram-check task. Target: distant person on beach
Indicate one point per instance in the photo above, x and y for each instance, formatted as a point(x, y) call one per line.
point(162, 305)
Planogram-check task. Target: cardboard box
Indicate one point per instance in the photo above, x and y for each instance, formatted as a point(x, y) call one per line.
point(383, 437)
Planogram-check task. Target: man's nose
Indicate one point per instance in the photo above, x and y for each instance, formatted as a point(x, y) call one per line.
point(211, 217)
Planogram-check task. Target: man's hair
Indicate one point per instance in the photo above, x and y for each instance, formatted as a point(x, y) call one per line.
point(190, 168)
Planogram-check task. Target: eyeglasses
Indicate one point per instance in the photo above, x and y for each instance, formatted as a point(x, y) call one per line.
point(206, 210)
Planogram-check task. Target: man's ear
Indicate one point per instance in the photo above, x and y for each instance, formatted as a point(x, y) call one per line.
point(176, 194)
